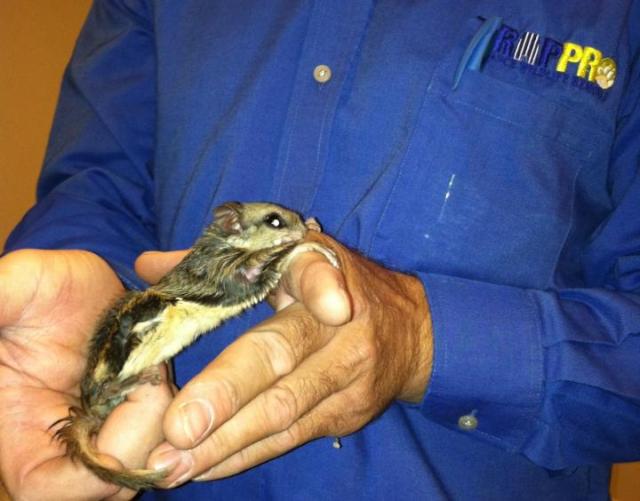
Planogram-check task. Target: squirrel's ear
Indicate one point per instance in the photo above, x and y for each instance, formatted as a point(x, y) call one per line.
point(227, 217)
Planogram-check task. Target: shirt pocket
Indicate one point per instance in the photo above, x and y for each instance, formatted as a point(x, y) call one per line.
point(487, 187)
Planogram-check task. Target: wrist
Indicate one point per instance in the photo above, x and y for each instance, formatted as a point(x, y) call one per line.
point(420, 348)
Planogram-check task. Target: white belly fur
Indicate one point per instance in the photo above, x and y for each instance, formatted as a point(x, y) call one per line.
point(177, 326)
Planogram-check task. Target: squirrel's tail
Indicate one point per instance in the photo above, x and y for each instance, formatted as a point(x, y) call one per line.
point(78, 432)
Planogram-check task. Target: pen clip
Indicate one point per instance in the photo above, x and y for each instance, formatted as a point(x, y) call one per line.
point(476, 51)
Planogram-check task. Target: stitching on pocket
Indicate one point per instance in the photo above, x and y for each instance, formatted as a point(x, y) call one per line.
point(486, 112)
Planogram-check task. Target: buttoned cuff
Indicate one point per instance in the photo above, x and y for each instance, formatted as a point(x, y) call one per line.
point(487, 374)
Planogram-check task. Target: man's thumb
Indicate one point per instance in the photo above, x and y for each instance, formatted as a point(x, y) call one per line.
point(151, 266)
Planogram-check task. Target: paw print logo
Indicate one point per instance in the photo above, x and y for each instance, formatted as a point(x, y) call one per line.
point(606, 73)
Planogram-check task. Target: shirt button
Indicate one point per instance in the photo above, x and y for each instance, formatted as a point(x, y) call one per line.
point(322, 73)
point(468, 422)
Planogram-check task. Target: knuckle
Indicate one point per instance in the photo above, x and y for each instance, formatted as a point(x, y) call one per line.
point(361, 402)
point(289, 438)
point(369, 398)
point(275, 350)
point(240, 458)
point(300, 325)
point(229, 394)
point(351, 424)
point(352, 417)
point(341, 423)
point(281, 407)
point(365, 352)
point(326, 382)
point(211, 451)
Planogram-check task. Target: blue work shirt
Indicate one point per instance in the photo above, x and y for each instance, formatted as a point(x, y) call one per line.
point(491, 148)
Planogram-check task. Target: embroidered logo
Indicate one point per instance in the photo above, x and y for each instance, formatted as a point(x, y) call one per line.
point(583, 66)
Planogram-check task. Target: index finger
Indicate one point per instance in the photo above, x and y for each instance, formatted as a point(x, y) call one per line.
point(247, 367)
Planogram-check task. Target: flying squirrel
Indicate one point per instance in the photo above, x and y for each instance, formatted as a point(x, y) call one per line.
point(236, 262)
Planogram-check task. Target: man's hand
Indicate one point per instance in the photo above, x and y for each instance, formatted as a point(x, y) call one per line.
point(342, 345)
point(49, 304)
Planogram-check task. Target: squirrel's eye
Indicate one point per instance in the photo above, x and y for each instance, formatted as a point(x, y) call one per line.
point(274, 220)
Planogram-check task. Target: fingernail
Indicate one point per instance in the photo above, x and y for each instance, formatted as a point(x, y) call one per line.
point(178, 465)
point(197, 419)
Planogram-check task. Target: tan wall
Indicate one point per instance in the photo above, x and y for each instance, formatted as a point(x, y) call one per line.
point(36, 39)
point(625, 482)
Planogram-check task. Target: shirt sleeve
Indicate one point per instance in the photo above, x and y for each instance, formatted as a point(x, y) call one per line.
point(95, 189)
point(552, 374)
